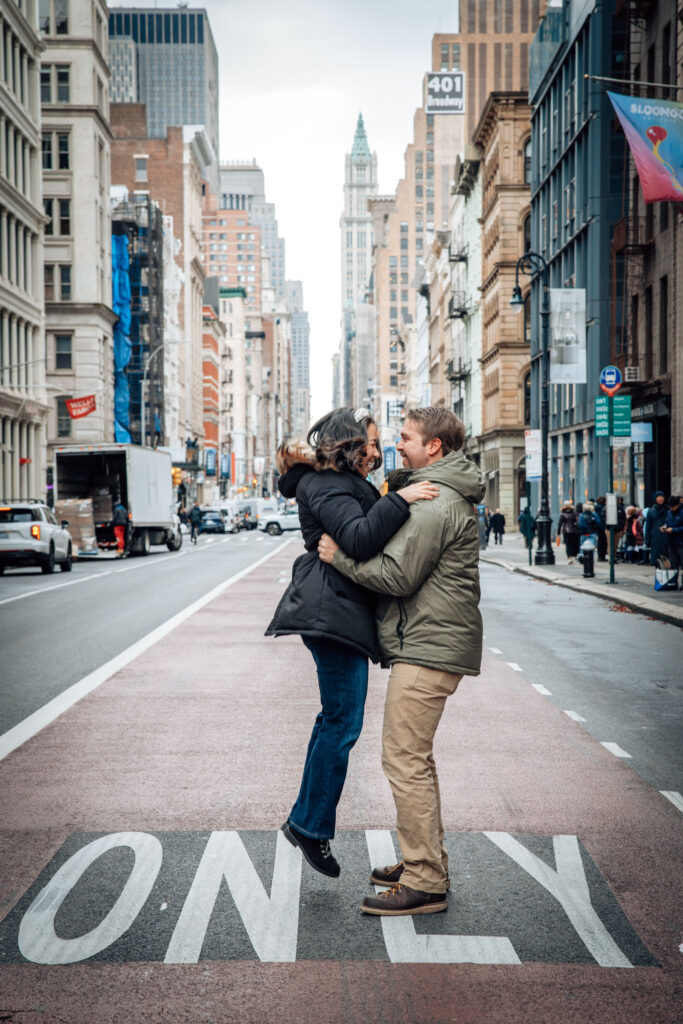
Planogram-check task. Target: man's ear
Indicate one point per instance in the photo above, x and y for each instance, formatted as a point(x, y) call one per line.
point(434, 447)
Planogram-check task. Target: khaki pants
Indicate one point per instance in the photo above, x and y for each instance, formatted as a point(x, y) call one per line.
point(414, 704)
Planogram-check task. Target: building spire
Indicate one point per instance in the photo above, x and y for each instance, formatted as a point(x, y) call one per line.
point(361, 148)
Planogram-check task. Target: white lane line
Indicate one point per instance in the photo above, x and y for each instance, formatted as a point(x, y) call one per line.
point(495, 650)
point(542, 690)
point(514, 666)
point(22, 732)
point(615, 749)
point(58, 586)
point(675, 798)
point(575, 718)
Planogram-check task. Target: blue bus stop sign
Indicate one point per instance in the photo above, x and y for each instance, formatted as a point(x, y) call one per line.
point(610, 380)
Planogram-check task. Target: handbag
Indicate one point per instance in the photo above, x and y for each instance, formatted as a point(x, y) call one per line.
point(666, 579)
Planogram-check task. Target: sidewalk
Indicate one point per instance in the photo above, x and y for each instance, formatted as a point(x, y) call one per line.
point(633, 587)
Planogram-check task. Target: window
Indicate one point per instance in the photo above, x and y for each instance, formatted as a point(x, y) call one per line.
point(63, 151)
point(47, 151)
point(63, 91)
point(53, 17)
point(63, 418)
point(46, 84)
point(65, 216)
point(526, 233)
point(527, 163)
point(141, 168)
point(48, 205)
point(418, 191)
point(65, 282)
point(63, 351)
point(49, 282)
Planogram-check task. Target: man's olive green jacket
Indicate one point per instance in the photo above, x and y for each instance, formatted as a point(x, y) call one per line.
point(430, 567)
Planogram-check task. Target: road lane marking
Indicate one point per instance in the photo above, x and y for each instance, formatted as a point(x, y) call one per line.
point(675, 798)
point(615, 749)
point(405, 946)
point(573, 715)
point(22, 732)
point(514, 666)
point(57, 586)
point(495, 650)
point(542, 690)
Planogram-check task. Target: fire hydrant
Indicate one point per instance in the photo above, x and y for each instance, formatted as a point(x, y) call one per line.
point(587, 556)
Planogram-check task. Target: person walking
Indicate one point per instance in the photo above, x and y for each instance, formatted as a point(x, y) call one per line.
point(633, 534)
point(334, 616)
point(119, 523)
point(527, 526)
point(656, 540)
point(568, 530)
point(430, 633)
point(195, 522)
point(673, 528)
point(498, 526)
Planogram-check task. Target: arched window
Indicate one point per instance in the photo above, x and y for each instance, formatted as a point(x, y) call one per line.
point(527, 163)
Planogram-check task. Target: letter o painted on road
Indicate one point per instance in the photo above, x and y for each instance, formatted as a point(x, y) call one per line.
point(38, 941)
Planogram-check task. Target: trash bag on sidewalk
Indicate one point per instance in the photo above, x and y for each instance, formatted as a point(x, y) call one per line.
point(666, 579)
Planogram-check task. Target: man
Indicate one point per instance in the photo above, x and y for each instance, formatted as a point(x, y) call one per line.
point(674, 530)
point(430, 632)
point(498, 526)
point(120, 524)
point(655, 539)
point(195, 522)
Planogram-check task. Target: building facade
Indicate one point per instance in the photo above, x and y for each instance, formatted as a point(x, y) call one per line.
point(23, 400)
point(76, 137)
point(175, 74)
point(232, 250)
point(360, 184)
point(300, 414)
point(502, 137)
point(242, 187)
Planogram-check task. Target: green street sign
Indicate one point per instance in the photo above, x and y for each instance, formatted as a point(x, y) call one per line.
point(602, 416)
point(621, 416)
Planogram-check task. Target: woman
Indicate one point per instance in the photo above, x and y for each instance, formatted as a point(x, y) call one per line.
point(633, 534)
point(333, 615)
point(568, 530)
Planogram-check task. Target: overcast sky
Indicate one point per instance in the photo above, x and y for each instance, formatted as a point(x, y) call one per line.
point(293, 78)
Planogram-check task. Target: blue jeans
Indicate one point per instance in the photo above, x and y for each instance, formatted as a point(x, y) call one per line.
point(343, 681)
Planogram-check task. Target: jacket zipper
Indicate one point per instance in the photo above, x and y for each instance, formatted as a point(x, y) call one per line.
point(402, 622)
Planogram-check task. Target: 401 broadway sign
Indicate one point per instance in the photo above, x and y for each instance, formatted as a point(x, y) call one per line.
point(445, 93)
point(654, 129)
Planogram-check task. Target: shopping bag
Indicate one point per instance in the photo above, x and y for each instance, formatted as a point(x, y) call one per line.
point(666, 579)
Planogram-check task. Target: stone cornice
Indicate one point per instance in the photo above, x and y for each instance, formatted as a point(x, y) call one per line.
point(67, 110)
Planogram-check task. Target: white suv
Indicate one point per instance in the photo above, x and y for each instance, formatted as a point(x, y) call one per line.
point(275, 523)
point(31, 535)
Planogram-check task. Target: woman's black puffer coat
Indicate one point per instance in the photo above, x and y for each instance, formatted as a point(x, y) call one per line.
point(319, 601)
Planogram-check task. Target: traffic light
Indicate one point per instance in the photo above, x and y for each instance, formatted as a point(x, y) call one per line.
point(177, 476)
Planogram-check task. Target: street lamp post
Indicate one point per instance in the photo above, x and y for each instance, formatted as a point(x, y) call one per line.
point(533, 265)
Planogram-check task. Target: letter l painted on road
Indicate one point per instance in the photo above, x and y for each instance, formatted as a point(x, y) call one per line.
point(272, 924)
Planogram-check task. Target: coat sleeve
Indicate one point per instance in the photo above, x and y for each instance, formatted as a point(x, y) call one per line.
point(358, 535)
point(406, 561)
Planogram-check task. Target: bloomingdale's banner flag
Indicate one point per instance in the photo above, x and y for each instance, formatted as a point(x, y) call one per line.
point(654, 130)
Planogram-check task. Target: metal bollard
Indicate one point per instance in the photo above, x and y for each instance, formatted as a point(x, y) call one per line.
point(588, 553)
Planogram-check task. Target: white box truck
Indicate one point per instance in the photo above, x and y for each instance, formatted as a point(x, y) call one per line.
point(139, 478)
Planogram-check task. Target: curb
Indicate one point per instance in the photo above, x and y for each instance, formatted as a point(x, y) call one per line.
point(628, 598)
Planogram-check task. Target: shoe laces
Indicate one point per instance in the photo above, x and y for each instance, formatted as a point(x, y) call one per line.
point(396, 887)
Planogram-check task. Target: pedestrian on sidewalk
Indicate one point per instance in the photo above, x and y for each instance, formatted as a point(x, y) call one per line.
point(498, 526)
point(655, 539)
point(430, 632)
point(673, 528)
point(568, 530)
point(601, 512)
point(633, 534)
point(487, 524)
point(527, 526)
point(119, 523)
point(335, 617)
point(195, 522)
point(589, 523)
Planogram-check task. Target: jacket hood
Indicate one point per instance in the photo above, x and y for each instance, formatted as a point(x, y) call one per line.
point(454, 470)
point(289, 481)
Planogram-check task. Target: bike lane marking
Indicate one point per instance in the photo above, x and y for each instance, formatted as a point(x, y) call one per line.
point(22, 732)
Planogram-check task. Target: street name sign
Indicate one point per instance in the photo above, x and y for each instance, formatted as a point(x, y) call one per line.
point(445, 93)
point(610, 380)
point(621, 416)
point(602, 416)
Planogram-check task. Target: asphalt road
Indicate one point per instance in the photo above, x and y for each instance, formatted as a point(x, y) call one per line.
point(54, 630)
point(619, 674)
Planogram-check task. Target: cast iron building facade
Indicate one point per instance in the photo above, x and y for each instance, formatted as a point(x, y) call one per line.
point(176, 72)
point(575, 201)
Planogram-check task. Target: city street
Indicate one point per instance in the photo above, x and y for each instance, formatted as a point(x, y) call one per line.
point(144, 810)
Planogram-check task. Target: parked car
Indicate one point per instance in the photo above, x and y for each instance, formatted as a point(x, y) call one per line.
point(275, 523)
point(247, 514)
point(31, 535)
point(212, 522)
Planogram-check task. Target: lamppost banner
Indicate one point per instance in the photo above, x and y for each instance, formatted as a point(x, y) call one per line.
point(567, 335)
point(654, 131)
point(533, 454)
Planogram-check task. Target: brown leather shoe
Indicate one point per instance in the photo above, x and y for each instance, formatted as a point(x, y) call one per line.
point(400, 901)
point(391, 874)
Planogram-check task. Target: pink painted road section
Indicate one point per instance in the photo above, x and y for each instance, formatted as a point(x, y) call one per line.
point(207, 731)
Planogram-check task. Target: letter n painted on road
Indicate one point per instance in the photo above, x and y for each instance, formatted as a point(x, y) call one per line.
point(271, 923)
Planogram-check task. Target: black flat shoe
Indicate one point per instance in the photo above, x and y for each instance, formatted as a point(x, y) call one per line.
point(316, 851)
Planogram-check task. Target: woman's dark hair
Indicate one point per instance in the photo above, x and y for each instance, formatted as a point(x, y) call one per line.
point(340, 438)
